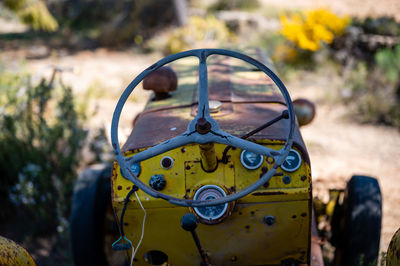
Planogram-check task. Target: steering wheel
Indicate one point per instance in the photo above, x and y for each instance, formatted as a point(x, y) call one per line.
point(202, 129)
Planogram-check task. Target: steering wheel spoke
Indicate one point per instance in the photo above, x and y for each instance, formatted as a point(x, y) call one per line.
point(237, 142)
point(162, 147)
point(203, 108)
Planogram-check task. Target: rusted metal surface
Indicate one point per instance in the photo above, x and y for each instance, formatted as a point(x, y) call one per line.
point(162, 81)
point(305, 111)
point(203, 126)
point(12, 254)
point(268, 193)
point(242, 111)
point(166, 124)
point(208, 157)
point(202, 252)
point(316, 251)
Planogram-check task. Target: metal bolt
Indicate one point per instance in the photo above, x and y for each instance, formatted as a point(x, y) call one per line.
point(157, 182)
point(203, 126)
point(286, 179)
point(269, 220)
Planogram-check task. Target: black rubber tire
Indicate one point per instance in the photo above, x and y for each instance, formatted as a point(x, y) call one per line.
point(92, 193)
point(362, 222)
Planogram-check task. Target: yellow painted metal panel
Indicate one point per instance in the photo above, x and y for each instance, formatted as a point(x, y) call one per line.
point(242, 239)
point(177, 184)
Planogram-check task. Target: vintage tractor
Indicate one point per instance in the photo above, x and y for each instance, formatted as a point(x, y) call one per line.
point(215, 172)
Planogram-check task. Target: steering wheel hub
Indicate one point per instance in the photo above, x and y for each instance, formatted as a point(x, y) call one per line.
point(203, 126)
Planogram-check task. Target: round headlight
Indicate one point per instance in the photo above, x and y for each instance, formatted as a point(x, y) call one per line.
point(251, 160)
point(292, 162)
point(210, 192)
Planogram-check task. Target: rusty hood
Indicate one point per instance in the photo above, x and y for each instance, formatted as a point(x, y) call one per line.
point(249, 99)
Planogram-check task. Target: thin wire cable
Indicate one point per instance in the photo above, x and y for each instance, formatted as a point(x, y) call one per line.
point(134, 250)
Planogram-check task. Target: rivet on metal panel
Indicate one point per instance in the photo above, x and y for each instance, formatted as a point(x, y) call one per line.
point(270, 160)
point(286, 179)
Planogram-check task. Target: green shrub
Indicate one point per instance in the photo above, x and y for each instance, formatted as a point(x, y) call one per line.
point(199, 32)
point(33, 13)
point(234, 4)
point(388, 62)
point(379, 26)
point(40, 145)
point(375, 90)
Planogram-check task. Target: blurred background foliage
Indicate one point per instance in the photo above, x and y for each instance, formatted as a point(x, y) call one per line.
point(33, 13)
point(43, 123)
point(40, 149)
point(197, 33)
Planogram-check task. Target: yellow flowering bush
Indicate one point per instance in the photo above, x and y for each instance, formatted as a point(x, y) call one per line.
point(309, 29)
point(198, 32)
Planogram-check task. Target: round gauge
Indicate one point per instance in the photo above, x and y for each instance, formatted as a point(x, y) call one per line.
point(292, 162)
point(167, 162)
point(136, 169)
point(209, 192)
point(251, 160)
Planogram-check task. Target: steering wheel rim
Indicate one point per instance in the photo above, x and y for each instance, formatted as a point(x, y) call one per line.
point(192, 135)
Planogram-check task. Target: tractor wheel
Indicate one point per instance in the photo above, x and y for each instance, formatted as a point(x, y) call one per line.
point(93, 228)
point(361, 227)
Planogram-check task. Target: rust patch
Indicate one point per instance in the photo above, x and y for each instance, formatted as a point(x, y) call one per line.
point(266, 193)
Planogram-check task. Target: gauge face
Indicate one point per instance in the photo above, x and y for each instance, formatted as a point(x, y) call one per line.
point(136, 169)
point(292, 162)
point(210, 192)
point(251, 160)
